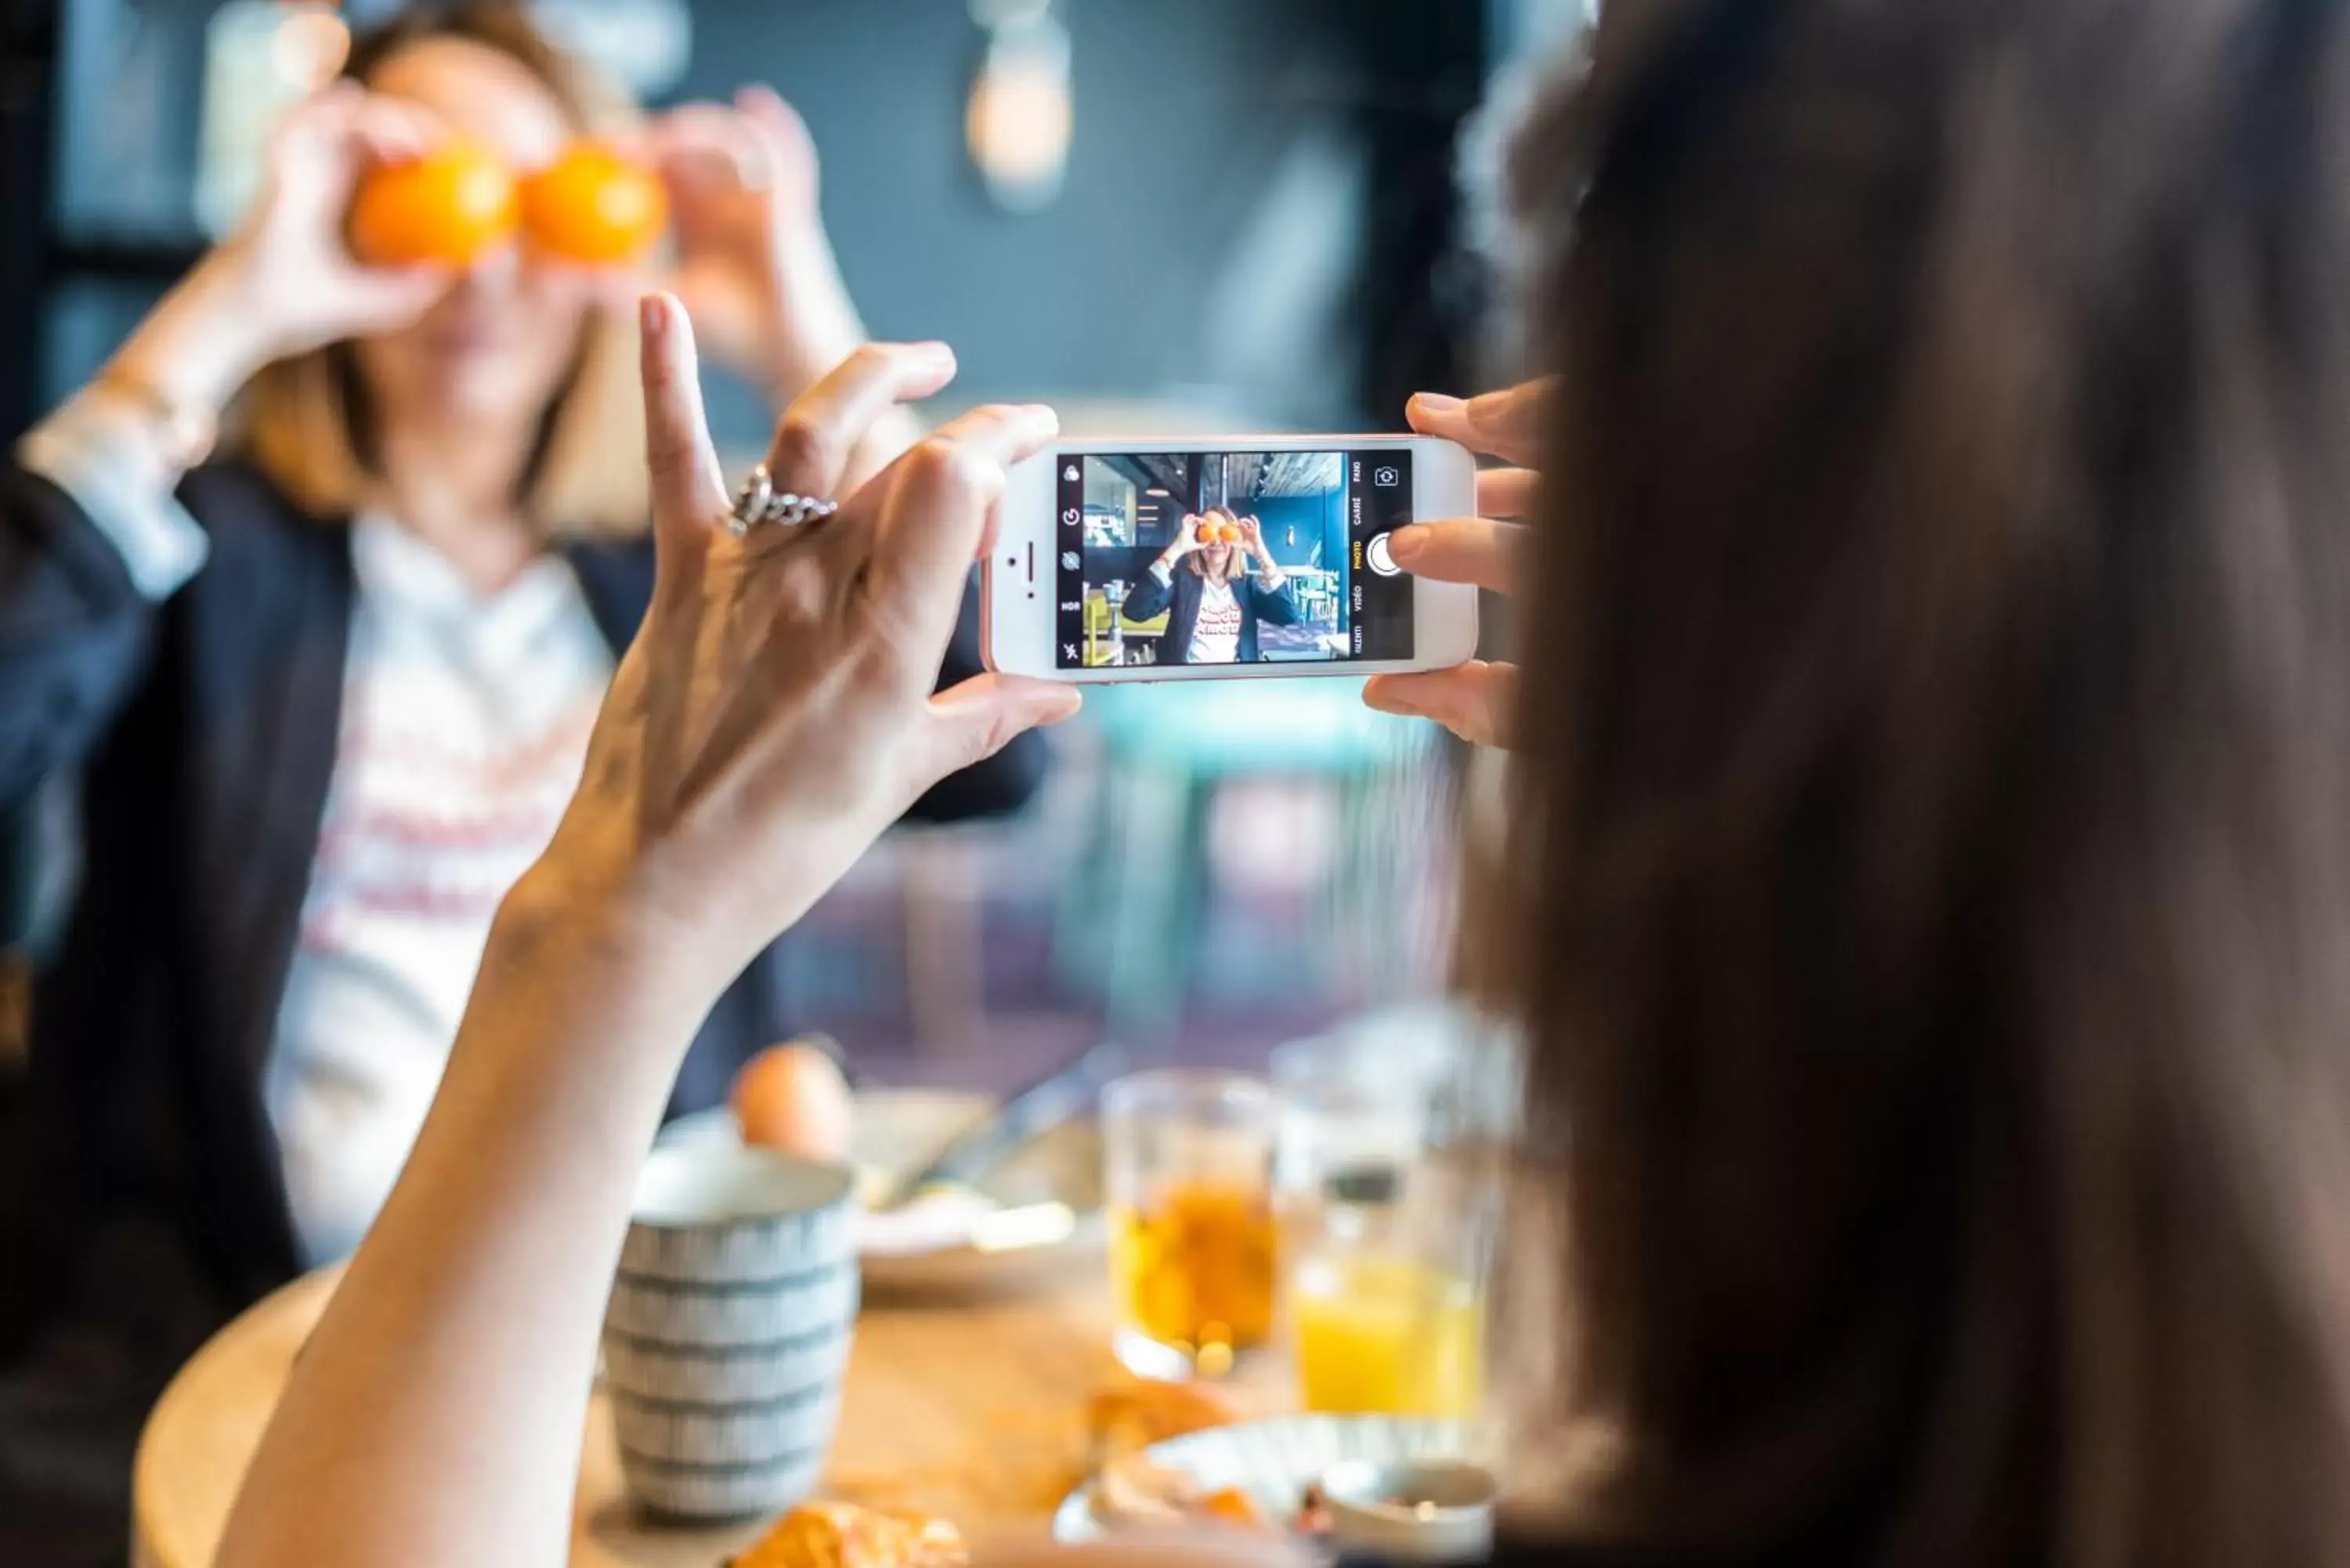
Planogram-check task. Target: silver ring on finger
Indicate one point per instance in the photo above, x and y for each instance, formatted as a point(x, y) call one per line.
point(758, 504)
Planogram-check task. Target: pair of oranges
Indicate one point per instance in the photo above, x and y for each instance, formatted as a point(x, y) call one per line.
point(594, 206)
point(1219, 534)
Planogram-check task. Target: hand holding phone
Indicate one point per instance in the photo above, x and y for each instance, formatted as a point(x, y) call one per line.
point(1475, 700)
point(1233, 558)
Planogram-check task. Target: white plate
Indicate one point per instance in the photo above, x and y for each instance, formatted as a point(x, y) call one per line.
point(894, 1131)
point(1275, 1461)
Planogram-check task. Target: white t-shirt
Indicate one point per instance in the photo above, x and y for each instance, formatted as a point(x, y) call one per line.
point(1216, 635)
point(465, 723)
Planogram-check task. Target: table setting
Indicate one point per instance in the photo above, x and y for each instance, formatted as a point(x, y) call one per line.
point(1121, 1298)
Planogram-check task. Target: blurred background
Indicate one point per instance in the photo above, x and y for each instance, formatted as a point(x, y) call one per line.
point(1160, 215)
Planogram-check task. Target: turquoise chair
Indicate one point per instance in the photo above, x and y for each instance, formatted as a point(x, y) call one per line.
point(1132, 917)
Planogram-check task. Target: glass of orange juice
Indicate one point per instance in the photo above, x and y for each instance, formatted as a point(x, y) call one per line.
point(1381, 1326)
point(1193, 1238)
point(1385, 1223)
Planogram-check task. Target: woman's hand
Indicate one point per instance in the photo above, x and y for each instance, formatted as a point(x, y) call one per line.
point(286, 281)
point(775, 712)
point(755, 268)
point(773, 715)
point(297, 274)
point(1185, 541)
point(1253, 540)
point(1475, 700)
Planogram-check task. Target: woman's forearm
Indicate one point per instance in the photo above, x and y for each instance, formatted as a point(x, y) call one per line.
point(436, 1415)
point(199, 345)
point(183, 362)
point(462, 1343)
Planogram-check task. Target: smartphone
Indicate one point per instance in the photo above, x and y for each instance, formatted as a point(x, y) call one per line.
point(1224, 557)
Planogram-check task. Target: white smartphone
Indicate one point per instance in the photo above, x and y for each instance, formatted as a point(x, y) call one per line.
point(1223, 557)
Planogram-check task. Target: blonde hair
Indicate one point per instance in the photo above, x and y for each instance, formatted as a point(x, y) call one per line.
point(303, 420)
point(1196, 559)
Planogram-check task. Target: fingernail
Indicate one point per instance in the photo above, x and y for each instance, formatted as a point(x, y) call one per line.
point(934, 352)
point(1438, 402)
point(648, 313)
point(1406, 542)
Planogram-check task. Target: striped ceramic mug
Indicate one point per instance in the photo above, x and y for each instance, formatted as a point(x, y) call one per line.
point(726, 1337)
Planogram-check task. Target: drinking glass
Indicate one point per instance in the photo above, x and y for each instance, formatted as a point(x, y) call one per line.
point(1386, 1220)
point(1193, 1237)
point(1387, 1317)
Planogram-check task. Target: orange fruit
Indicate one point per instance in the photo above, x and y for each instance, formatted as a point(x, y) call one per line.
point(1205, 533)
point(448, 206)
point(593, 206)
point(1228, 533)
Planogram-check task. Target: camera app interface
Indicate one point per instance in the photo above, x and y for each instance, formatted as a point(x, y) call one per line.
point(1232, 558)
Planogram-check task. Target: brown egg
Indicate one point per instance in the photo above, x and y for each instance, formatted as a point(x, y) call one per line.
point(792, 1098)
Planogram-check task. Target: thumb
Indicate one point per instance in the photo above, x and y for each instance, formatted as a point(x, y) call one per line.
point(972, 722)
point(687, 494)
point(1476, 700)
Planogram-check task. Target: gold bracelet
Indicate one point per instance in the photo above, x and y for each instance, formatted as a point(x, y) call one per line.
point(186, 435)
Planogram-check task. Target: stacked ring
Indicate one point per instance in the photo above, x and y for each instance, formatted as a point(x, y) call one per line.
point(758, 502)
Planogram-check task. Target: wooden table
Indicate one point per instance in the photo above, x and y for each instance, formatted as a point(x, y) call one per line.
point(972, 1411)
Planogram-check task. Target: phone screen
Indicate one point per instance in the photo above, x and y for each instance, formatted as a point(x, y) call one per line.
point(1231, 557)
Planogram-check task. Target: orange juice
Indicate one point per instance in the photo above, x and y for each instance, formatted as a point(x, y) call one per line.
point(1387, 1336)
point(1195, 1268)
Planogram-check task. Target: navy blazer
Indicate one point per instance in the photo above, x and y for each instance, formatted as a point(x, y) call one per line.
point(204, 731)
point(1179, 597)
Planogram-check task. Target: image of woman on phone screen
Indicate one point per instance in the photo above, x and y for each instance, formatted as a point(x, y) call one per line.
point(1215, 599)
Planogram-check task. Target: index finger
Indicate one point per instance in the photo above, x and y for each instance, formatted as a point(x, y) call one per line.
point(1462, 550)
point(715, 134)
point(777, 124)
point(1507, 424)
point(819, 433)
point(393, 131)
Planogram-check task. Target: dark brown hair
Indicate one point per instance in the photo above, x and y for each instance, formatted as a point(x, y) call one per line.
point(1935, 797)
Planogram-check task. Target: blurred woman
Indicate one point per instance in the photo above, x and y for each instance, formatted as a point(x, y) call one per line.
point(1214, 598)
point(1932, 878)
point(330, 691)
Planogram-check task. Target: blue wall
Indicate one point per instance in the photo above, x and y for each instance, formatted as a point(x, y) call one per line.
point(1184, 109)
point(1321, 518)
point(1200, 125)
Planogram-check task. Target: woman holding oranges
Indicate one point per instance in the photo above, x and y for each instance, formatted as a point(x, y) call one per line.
point(328, 681)
point(1214, 601)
